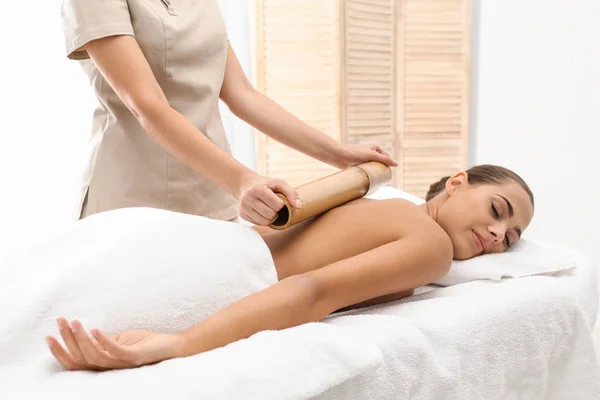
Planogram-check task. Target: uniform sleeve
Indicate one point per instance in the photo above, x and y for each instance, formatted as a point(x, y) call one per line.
point(87, 20)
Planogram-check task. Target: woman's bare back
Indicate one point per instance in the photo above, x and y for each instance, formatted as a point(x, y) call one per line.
point(345, 231)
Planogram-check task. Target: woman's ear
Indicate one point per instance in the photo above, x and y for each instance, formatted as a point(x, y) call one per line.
point(456, 182)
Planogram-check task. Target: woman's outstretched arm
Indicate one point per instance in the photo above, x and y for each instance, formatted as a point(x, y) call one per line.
point(396, 266)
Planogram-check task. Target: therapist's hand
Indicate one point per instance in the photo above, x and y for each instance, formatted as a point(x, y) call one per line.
point(259, 203)
point(352, 154)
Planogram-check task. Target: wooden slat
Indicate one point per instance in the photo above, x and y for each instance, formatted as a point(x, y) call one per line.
point(434, 76)
point(369, 59)
point(297, 51)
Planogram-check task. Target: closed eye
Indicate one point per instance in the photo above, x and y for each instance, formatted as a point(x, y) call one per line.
point(497, 215)
point(495, 211)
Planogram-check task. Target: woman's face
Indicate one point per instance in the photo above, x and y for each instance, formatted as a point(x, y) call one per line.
point(485, 218)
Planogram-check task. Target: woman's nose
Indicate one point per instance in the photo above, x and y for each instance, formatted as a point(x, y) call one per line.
point(498, 231)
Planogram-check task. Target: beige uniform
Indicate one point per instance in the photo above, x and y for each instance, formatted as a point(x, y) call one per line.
point(185, 43)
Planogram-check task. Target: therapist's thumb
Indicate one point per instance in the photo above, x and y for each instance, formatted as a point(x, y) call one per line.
point(285, 189)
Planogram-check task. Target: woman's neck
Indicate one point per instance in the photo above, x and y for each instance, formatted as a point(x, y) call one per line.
point(431, 208)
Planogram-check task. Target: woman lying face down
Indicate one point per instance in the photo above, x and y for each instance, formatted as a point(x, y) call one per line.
point(362, 253)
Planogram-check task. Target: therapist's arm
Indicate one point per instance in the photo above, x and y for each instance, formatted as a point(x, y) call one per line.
point(264, 114)
point(122, 63)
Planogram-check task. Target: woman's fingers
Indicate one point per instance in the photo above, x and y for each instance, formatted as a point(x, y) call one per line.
point(98, 345)
point(62, 356)
point(93, 356)
point(70, 342)
point(113, 348)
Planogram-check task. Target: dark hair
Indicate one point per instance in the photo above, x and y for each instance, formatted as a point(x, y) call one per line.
point(480, 174)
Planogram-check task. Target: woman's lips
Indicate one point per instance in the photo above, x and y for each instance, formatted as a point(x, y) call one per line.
point(478, 242)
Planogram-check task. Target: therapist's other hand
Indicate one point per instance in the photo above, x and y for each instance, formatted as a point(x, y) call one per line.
point(260, 204)
point(129, 349)
point(352, 154)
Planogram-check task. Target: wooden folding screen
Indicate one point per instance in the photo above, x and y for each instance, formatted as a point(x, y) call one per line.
point(385, 71)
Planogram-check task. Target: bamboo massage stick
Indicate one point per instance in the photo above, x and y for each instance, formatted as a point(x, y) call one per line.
point(331, 191)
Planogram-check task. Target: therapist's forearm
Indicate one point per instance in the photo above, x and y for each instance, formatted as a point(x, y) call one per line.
point(182, 139)
point(273, 120)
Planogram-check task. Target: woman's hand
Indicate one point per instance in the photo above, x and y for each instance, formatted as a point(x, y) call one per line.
point(128, 349)
point(352, 154)
point(259, 203)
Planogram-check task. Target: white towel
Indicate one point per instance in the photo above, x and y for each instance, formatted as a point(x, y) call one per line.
point(294, 364)
point(516, 339)
point(527, 258)
point(164, 271)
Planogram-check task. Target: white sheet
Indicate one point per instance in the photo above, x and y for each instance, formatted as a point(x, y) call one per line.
point(523, 338)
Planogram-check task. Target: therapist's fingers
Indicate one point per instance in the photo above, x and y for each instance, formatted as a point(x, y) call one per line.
point(382, 156)
point(264, 211)
point(260, 205)
point(70, 342)
point(281, 186)
point(62, 356)
point(380, 149)
point(263, 193)
point(248, 213)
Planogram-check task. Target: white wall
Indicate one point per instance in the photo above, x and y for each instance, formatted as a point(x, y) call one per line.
point(536, 99)
point(238, 18)
point(46, 110)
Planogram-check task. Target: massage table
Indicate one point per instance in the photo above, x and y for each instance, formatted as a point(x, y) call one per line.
point(518, 338)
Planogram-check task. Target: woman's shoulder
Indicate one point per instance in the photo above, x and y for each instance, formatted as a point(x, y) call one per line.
point(412, 219)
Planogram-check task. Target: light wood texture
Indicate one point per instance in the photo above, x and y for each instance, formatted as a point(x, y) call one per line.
point(369, 59)
point(331, 191)
point(385, 71)
point(297, 51)
point(433, 87)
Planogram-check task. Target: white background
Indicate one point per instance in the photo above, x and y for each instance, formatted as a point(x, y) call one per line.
point(536, 108)
point(535, 96)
